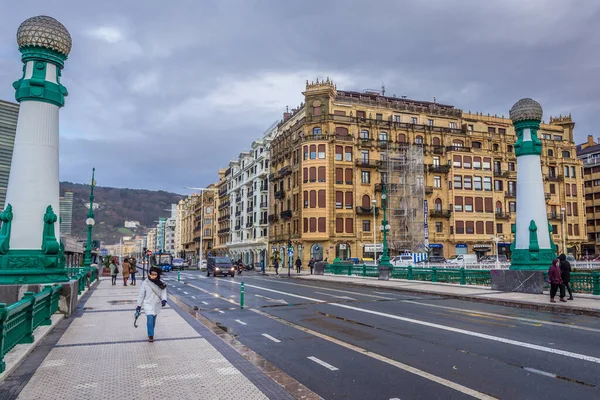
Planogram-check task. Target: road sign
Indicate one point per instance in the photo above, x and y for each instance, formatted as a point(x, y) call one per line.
point(290, 253)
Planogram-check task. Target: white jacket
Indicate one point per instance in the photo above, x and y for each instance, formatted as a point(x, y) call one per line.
point(150, 297)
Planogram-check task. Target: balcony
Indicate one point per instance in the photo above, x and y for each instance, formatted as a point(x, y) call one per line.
point(501, 174)
point(554, 216)
point(250, 209)
point(362, 163)
point(273, 218)
point(440, 213)
point(249, 224)
point(280, 195)
point(510, 194)
point(547, 196)
point(238, 213)
point(554, 178)
point(271, 177)
point(428, 189)
point(287, 214)
point(366, 211)
point(284, 171)
point(365, 143)
point(461, 149)
point(250, 193)
point(437, 149)
point(237, 227)
point(439, 169)
point(262, 222)
point(223, 192)
point(264, 204)
point(501, 215)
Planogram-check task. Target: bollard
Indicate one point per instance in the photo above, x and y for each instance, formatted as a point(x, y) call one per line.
point(178, 276)
point(242, 296)
point(596, 283)
point(434, 274)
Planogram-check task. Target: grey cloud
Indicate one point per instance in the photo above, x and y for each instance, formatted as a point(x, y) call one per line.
point(164, 95)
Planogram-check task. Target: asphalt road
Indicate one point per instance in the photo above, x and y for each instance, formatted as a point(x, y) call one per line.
point(347, 342)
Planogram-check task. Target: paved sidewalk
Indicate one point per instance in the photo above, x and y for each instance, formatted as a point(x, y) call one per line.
point(583, 303)
point(102, 356)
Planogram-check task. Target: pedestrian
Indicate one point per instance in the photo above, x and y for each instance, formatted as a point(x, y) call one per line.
point(153, 296)
point(311, 265)
point(133, 270)
point(556, 281)
point(125, 270)
point(565, 274)
point(276, 265)
point(298, 265)
point(262, 266)
point(114, 270)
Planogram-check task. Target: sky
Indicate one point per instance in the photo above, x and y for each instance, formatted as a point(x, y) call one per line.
point(163, 95)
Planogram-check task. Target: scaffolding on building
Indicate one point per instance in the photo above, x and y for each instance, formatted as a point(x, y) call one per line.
point(402, 169)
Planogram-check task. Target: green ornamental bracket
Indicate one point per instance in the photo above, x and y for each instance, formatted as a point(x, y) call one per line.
point(6, 218)
point(552, 244)
point(533, 147)
point(49, 243)
point(513, 229)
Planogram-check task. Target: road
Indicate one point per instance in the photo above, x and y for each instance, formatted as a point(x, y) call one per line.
point(347, 342)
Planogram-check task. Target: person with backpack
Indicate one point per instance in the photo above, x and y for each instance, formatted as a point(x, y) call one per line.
point(298, 265)
point(153, 296)
point(565, 273)
point(132, 270)
point(556, 281)
point(114, 270)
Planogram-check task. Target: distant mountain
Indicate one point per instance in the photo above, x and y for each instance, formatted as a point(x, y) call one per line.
point(114, 207)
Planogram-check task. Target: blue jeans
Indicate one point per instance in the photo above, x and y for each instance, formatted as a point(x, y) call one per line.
point(132, 278)
point(151, 324)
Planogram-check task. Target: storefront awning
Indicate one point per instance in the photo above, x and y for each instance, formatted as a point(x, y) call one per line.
point(436, 246)
point(481, 246)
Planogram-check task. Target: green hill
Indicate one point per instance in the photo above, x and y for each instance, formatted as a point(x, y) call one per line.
point(115, 206)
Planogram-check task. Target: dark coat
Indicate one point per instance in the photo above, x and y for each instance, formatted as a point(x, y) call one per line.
point(565, 269)
point(554, 275)
point(298, 262)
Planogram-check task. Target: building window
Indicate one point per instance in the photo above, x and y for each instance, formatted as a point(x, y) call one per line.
point(305, 195)
point(437, 182)
point(468, 181)
point(365, 177)
point(457, 182)
point(468, 204)
point(321, 224)
point(430, 122)
point(339, 200)
point(512, 206)
point(491, 129)
point(313, 198)
point(349, 200)
point(476, 162)
point(509, 148)
point(339, 225)
point(566, 154)
point(460, 227)
point(487, 163)
point(383, 136)
point(439, 227)
point(487, 183)
point(498, 185)
point(457, 161)
point(550, 153)
point(458, 203)
point(467, 162)
point(477, 183)
point(317, 110)
point(436, 161)
point(479, 227)
point(470, 227)
point(502, 131)
point(419, 139)
point(366, 225)
point(312, 174)
point(555, 229)
point(349, 225)
point(313, 152)
point(364, 134)
point(348, 153)
point(305, 225)
point(322, 151)
point(379, 117)
point(348, 176)
point(496, 147)
point(321, 174)
point(364, 156)
point(511, 166)
point(339, 153)
point(573, 172)
point(470, 127)
point(476, 145)
point(401, 138)
point(414, 120)
point(316, 131)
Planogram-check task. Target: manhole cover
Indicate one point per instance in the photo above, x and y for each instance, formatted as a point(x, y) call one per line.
point(122, 301)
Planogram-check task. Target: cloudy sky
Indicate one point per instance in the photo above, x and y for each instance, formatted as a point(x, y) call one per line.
point(162, 95)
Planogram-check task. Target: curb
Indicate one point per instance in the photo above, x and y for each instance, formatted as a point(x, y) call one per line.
point(593, 312)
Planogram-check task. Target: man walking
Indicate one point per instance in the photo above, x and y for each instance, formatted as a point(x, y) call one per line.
point(565, 273)
point(298, 265)
point(311, 264)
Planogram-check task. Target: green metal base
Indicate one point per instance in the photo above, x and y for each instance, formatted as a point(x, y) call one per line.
point(524, 259)
point(19, 267)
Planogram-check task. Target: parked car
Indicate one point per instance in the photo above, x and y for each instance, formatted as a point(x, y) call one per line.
point(203, 265)
point(402, 261)
point(492, 259)
point(433, 260)
point(463, 259)
point(219, 266)
point(178, 263)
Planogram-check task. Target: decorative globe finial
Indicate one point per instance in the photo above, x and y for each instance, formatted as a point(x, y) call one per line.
point(526, 110)
point(44, 32)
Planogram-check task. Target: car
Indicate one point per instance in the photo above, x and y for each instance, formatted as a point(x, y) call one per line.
point(435, 260)
point(403, 260)
point(219, 266)
point(178, 263)
point(203, 265)
point(463, 259)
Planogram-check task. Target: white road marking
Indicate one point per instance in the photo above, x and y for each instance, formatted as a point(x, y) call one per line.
point(395, 398)
point(271, 338)
point(193, 297)
point(178, 288)
point(337, 297)
point(205, 303)
point(405, 367)
point(240, 322)
point(446, 328)
point(185, 293)
point(323, 363)
point(222, 312)
point(535, 321)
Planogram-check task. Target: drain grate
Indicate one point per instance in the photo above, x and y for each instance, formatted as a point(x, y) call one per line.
point(122, 302)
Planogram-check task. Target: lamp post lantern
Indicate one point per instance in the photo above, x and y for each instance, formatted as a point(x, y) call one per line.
point(87, 259)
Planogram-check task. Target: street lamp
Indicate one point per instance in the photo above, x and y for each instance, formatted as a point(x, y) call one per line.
point(385, 227)
point(374, 204)
point(496, 240)
point(201, 190)
point(564, 236)
point(87, 259)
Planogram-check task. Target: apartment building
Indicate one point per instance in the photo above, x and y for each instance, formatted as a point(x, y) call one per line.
point(223, 210)
point(248, 199)
point(332, 154)
point(589, 154)
point(9, 113)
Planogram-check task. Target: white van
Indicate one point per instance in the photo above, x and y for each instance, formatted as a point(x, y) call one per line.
point(463, 259)
point(403, 260)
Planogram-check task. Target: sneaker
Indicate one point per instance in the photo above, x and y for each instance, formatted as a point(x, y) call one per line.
point(563, 300)
point(570, 298)
point(151, 339)
point(552, 301)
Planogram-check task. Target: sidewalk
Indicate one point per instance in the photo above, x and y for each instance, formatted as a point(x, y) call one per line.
point(102, 356)
point(585, 304)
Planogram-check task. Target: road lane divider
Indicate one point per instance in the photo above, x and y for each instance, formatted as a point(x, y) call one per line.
point(271, 338)
point(240, 322)
point(323, 363)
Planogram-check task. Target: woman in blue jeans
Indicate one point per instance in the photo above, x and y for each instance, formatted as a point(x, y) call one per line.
point(153, 296)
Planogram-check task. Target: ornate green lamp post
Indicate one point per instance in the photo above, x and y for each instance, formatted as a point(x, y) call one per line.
point(87, 260)
point(384, 265)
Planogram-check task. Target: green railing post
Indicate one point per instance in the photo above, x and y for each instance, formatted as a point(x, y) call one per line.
point(79, 280)
point(596, 283)
point(409, 274)
point(178, 276)
point(364, 270)
point(349, 270)
point(463, 276)
point(242, 296)
point(434, 274)
point(28, 338)
point(47, 307)
point(3, 317)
